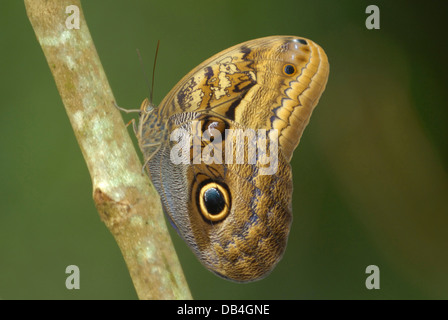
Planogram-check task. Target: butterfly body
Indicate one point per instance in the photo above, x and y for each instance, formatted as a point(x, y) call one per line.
point(235, 216)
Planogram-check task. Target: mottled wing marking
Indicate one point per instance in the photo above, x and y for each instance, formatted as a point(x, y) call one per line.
point(191, 94)
point(216, 85)
point(220, 84)
point(245, 84)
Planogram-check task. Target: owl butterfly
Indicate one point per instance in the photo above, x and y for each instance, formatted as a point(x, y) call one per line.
point(234, 215)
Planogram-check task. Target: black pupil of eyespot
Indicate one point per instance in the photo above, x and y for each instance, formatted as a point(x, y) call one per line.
point(214, 201)
point(289, 69)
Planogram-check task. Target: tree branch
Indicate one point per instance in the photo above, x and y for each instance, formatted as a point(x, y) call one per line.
point(126, 200)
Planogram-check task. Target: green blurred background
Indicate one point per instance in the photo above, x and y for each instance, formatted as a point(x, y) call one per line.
point(370, 174)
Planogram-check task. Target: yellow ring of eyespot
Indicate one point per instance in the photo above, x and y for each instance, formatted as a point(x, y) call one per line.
point(289, 74)
point(224, 212)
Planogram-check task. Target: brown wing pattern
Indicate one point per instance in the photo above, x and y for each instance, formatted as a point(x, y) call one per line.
point(268, 83)
point(247, 83)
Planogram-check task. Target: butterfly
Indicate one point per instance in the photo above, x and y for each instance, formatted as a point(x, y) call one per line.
point(219, 145)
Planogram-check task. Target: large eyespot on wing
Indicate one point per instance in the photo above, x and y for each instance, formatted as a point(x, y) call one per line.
point(213, 200)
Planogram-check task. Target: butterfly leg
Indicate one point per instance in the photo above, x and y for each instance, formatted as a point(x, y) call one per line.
point(123, 109)
point(134, 126)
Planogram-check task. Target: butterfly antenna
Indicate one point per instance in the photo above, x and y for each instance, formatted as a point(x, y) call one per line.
point(154, 72)
point(151, 93)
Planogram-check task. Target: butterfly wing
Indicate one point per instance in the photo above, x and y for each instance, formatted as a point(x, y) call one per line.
point(235, 218)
